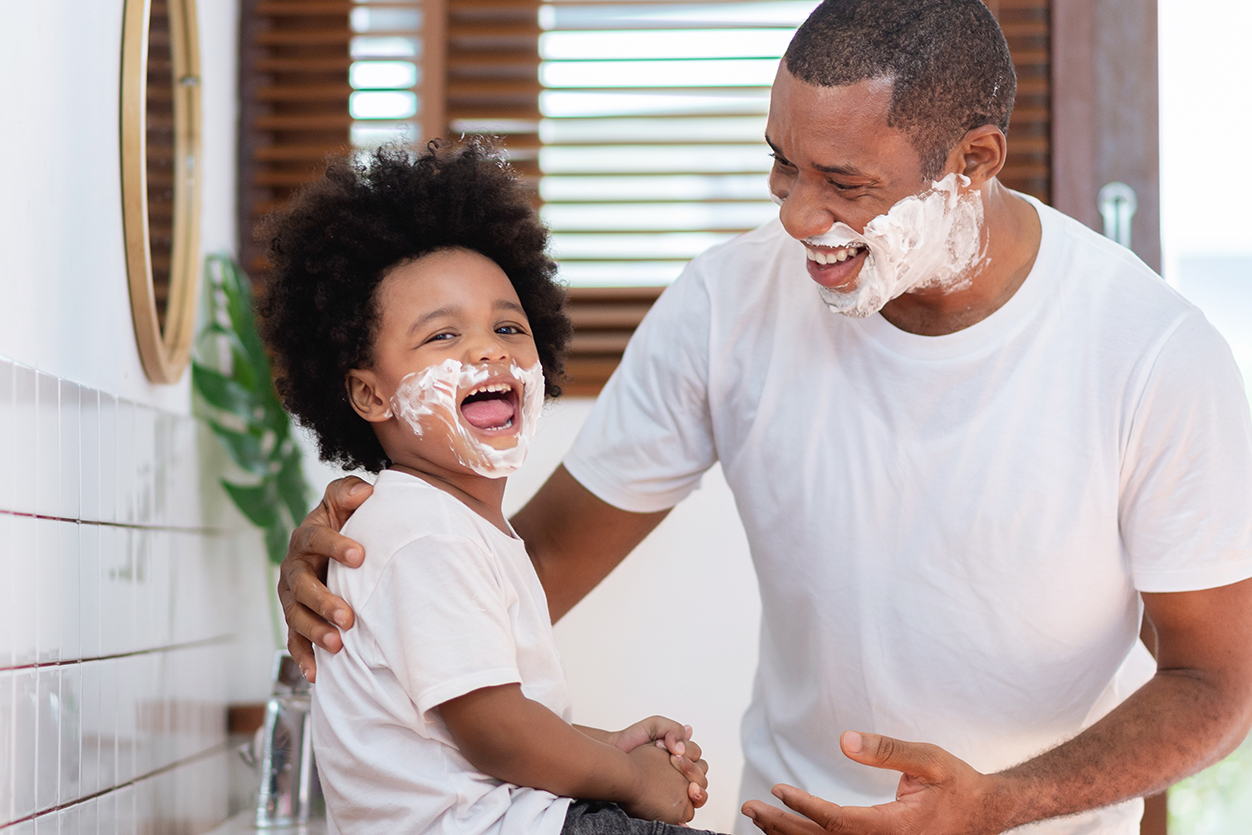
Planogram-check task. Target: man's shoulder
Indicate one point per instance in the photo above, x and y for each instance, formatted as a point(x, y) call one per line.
point(742, 276)
point(1093, 268)
point(764, 244)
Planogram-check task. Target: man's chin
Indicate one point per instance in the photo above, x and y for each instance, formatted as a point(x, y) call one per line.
point(856, 303)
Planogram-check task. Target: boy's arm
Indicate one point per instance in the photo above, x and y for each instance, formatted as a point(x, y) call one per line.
point(512, 738)
point(668, 734)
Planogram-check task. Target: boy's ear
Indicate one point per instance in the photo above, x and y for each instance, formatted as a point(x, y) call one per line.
point(365, 397)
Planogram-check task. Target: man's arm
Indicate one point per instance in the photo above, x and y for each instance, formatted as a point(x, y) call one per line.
point(575, 539)
point(1194, 711)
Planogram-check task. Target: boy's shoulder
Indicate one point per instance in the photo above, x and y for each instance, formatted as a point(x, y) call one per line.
point(402, 512)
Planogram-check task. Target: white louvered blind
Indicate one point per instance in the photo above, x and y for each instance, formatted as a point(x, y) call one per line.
point(653, 117)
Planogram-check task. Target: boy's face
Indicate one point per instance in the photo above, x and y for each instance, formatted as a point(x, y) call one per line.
point(456, 382)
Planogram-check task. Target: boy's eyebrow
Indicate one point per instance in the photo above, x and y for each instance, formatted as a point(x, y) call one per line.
point(505, 304)
point(452, 310)
point(447, 310)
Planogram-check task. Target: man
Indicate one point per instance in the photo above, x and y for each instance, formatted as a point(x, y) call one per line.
point(961, 496)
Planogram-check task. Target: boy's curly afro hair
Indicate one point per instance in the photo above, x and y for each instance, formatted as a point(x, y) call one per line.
point(340, 236)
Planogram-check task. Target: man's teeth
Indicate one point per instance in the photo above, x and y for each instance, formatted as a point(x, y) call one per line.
point(833, 256)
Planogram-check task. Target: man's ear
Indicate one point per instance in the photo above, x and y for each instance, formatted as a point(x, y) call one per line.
point(365, 396)
point(979, 155)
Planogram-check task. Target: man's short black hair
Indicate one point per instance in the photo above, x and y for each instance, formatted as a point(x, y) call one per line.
point(341, 235)
point(948, 60)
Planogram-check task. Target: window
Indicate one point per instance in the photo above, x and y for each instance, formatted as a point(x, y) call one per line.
point(638, 123)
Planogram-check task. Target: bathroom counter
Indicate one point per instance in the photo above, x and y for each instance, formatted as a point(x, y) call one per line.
point(244, 824)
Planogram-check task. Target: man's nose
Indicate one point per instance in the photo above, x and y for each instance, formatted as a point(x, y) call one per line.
point(802, 213)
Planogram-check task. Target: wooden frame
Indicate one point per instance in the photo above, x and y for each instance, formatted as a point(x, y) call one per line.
point(1105, 123)
point(163, 348)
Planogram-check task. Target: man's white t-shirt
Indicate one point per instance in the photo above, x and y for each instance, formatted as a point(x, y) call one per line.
point(445, 604)
point(950, 533)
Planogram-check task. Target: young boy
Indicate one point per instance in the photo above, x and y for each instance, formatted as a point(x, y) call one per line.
point(416, 327)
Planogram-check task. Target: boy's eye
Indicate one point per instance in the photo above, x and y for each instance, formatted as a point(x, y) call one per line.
point(441, 336)
point(511, 330)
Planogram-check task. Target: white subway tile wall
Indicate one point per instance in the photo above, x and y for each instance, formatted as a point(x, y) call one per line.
point(115, 630)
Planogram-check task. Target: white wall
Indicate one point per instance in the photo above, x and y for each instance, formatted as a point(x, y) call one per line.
point(1206, 232)
point(117, 564)
point(1206, 122)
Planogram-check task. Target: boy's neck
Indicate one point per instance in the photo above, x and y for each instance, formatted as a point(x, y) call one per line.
point(484, 496)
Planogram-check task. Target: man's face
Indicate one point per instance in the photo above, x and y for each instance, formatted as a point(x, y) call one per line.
point(836, 160)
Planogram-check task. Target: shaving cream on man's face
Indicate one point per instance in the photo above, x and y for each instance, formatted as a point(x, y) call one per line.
point(431, 402)
point(932, 239)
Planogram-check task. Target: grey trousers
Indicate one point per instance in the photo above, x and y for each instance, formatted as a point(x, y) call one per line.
point(593, 817)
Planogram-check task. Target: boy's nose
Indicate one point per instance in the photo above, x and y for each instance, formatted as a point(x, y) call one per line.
point(489, 348)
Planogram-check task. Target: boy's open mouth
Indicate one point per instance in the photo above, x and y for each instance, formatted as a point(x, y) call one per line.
point(492, 406)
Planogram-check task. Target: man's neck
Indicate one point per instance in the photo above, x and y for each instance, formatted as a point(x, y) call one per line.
point(1013, 233)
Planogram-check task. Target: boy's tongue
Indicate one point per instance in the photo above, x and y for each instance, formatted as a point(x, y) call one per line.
point(489, 413)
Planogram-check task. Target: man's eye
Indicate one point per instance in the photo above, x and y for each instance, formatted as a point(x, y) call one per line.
point(779, 160)
point(845, 187)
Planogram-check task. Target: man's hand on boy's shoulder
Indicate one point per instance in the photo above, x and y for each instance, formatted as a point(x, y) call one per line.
point(312, 612)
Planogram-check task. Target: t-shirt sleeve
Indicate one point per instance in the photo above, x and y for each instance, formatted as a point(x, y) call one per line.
point(1186, 509)
point(440, 618)
point(649, 437)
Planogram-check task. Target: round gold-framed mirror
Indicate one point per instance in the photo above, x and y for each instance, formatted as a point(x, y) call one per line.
point(160, 136)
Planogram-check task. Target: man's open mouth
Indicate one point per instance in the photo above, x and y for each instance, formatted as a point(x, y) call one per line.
point(833, 255)
point(492, 406)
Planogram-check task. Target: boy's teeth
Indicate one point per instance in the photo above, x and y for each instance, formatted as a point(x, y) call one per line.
point(494, 387)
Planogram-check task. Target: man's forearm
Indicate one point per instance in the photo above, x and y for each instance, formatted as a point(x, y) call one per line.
point(1175, 725)
point(575, 539)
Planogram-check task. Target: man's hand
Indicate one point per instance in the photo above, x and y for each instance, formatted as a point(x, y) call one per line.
point(938, 795)
point(312, 612)
point(675, 739)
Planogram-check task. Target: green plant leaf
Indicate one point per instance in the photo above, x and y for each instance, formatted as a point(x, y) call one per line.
point(291, 485)
point(249, 419)
point(238, 292)
point(276, 539)
point(222, 392)
point(246, 449)
point(259, 503)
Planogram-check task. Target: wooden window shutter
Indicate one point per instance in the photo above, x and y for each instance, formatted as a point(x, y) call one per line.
point(478, 63)
point(1027, 28)
point(294, 90)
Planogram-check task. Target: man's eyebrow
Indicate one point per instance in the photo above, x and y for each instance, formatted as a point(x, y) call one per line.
point(845, 170)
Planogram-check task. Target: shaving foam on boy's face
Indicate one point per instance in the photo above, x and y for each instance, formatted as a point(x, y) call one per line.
point(476, 407)
point(932, 239)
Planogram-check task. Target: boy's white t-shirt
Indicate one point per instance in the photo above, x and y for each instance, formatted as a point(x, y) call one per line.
point(950, 533)
point(445, 604)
